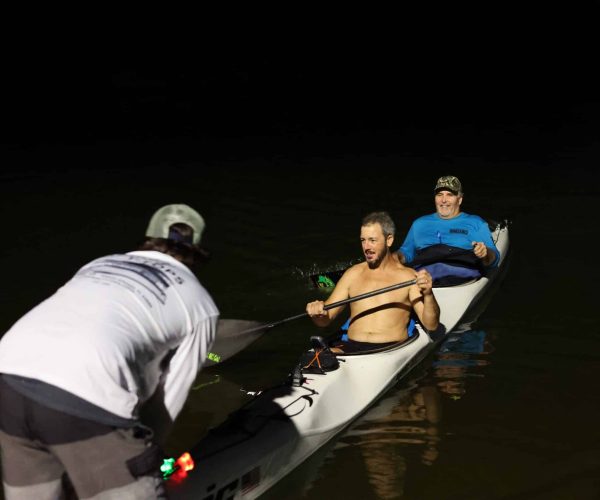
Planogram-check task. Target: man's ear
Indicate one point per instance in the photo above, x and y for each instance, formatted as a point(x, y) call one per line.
point(389, 240)
point(460, 199)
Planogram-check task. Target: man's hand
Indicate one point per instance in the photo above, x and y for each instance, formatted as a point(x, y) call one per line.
point(317, 313)
point(424, 282)
point(486, 255)
point(315, 309)
point(479, 249)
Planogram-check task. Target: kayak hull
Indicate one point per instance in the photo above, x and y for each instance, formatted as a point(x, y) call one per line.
point(266, 439)
point(281, 427)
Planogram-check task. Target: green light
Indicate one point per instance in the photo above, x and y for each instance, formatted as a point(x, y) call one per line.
point(325, 281)
point(214, 357)
point(168, 467)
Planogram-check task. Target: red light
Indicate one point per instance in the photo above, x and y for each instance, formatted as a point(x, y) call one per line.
point(178, 476)
point(185, 462)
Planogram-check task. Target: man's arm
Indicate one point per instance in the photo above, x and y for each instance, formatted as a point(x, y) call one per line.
point(424, 302)
point(483, 245)
point(186, 362)
point(483, 252)
point(180, 368)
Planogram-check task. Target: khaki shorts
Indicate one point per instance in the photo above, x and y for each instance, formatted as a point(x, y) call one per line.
point(41, 446)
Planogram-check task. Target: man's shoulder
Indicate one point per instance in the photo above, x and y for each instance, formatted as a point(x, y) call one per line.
point(351, 275)
point(356, 268)
point(426, 219)
point(405, 271)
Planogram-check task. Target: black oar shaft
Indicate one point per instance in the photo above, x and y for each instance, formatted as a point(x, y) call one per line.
point(404, 284)
point(333, 305)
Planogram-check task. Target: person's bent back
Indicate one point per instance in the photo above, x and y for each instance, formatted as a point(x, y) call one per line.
point(126, 328)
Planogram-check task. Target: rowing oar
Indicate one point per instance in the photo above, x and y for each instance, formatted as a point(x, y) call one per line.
point(229, 342)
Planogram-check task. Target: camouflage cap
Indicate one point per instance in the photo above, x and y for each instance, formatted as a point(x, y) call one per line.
point(448, 183)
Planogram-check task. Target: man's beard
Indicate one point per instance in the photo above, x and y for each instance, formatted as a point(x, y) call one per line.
point(376, 263)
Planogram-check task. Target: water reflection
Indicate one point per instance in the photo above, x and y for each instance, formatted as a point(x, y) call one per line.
point(404, 430)
point(460, 357)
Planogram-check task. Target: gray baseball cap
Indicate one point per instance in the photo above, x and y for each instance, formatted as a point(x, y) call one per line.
point(448, 183)
point(168, 215)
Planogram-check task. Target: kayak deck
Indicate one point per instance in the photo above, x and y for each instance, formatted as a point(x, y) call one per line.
point(272, 434)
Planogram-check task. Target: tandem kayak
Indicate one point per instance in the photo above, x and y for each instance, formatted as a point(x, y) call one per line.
point(262, 442)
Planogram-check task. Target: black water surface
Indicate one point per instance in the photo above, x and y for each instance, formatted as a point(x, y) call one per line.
point(283, 192)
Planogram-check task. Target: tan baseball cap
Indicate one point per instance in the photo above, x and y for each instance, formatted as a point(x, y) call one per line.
point(448, 183)
point(168, 215)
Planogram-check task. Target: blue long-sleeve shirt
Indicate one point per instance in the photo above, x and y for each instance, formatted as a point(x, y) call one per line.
point(460, 231)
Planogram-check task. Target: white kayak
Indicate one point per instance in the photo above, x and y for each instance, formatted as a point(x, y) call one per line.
point(277, 430)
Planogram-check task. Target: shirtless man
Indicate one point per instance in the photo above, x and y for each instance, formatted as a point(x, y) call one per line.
point(383, 318)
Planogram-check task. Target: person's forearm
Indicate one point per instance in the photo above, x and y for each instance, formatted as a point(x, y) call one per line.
point(489, 258)
point(317, 313)
point(431, 312)
point(321, 321)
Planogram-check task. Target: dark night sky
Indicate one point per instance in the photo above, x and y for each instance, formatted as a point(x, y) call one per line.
point(503, 103)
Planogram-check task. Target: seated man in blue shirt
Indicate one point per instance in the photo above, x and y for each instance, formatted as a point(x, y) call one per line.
point(461, 239)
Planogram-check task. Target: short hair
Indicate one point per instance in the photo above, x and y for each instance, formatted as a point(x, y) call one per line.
point(383, 219)
point(177, 246)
